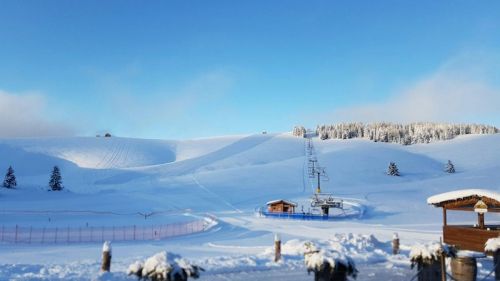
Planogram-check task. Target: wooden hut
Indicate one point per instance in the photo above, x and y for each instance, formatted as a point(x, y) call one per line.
point(281, 206)
point(477, 201)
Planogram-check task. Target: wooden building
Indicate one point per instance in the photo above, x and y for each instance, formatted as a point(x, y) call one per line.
point(476, 201)
point(281, 206)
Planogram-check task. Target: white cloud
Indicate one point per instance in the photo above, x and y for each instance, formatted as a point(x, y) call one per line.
point(460, 91)
point(24, 115)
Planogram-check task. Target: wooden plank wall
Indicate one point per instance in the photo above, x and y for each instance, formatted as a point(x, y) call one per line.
point(468, 238)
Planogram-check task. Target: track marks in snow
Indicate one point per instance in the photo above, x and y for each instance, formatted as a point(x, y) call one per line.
point(214, 194)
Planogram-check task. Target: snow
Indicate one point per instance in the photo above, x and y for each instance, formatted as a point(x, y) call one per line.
point(106, 247)
point(164, 265)
point(492, 245)
point(316, 261)
point(108, 182)
point(135, 268)
point(426, 252)
point(281, 200)
point(156, 265)
point(463, 193)
point(469, 254)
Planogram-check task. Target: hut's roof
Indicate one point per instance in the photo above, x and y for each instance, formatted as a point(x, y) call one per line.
point(463, 194)
point(281, 200)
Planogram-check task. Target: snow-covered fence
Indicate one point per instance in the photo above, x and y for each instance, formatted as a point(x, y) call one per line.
point(46, 235)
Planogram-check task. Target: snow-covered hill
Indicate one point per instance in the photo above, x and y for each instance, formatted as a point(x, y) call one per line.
point(240, 172)
point(231, 176)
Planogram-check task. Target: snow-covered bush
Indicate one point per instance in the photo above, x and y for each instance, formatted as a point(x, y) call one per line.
point(405, 134)
point(492, 245)
point(299, 131)
point(164, 267)
point(429, 253)
point(449, 167)
point(328, 265)
point(392, 170)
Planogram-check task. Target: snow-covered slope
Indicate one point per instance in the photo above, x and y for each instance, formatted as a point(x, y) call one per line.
point(249, 170)
point(231, 176)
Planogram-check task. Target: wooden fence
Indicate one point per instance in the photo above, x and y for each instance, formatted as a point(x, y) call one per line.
point(58, 235)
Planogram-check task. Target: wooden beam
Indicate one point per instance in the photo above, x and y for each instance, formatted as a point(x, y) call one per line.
point(480, 220)
point(445, 220)
point(471, 209)
point(469, 202)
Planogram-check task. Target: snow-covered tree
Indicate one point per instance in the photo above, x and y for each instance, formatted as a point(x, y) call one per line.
point(392, 170)
point(10, 179)
point(299, 131)
point(55, 182)
point(405, 134)
point(449, 167)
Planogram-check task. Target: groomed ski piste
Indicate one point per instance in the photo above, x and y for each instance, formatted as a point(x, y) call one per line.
point(113, 182)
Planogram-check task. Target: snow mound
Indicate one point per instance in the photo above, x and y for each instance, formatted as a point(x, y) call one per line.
point(492, 245)
point(328, 261)
point(163, 266)
point(135, 268)
point(429, 253)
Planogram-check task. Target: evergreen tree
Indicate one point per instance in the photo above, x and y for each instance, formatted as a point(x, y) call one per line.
point(55, 182)
point(393, 169)
point(449, 167)
point(10, 179)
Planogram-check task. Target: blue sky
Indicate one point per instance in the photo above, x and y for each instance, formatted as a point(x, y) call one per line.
point(183, 69)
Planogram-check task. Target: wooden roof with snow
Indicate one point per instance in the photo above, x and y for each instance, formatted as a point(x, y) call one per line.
point(465, 199)
point(281, 201)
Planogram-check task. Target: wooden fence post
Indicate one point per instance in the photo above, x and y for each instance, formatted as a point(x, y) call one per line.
point(277, 248)
point(496, 264)
point(106, 257)
point(443, 261)
point(395, 244)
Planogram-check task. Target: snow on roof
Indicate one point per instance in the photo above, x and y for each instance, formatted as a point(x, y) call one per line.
point(279, 200)
point(463, 193)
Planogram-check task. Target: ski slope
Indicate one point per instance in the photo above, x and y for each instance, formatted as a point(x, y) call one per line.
point(230, 177)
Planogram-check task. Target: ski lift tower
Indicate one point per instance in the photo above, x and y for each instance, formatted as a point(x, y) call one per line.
point(324, 201)
point(317, 172)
